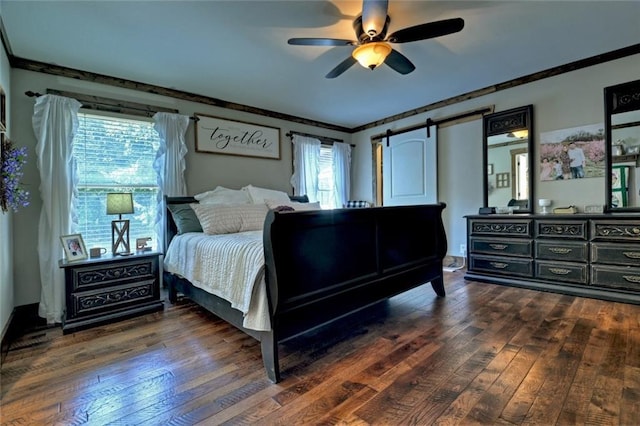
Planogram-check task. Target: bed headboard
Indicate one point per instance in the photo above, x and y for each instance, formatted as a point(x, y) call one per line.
point(171, 229)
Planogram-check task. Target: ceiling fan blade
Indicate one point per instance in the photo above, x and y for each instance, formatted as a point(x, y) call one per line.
point(428, 30)
point(399, 62)
point(320, 42)
point(374, 16)
point(342, 67)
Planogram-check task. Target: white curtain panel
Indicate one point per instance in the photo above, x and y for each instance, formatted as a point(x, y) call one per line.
point(341, 173)
point(55, 121)
point(306, 166)
point(169, 163)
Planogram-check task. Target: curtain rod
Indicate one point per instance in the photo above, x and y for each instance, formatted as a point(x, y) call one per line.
point(429, 122)
point(324, 139)
point(100, 103)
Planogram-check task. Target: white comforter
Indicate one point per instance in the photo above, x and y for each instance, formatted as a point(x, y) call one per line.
point(230, 266)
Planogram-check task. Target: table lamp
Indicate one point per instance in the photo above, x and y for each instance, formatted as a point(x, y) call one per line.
point(119, 203)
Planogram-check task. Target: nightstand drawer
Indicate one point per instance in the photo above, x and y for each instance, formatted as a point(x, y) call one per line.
point(502, 247)
point(562, 272)
point(619, 277)
point(562, 251)
point(617, 254)
point(109, 274)
point(501, 265)
point(122, 296)
point(110, 288)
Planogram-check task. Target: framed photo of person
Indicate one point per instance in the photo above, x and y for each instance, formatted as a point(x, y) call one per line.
point(74, 248)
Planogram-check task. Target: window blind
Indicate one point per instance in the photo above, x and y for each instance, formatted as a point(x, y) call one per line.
point(114, 154)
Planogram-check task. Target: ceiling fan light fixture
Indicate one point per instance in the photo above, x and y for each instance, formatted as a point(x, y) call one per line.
point(371, 55)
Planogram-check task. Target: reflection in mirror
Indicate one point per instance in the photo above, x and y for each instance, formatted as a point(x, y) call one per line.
point(622, 132)
point(508, 159)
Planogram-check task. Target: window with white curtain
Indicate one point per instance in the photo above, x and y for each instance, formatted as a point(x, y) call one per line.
point(114, 154)
point(326, 184)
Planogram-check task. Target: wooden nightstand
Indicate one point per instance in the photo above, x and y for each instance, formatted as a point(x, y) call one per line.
point(109, 288)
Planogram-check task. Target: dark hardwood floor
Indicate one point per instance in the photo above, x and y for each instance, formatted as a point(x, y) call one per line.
point(485, 354)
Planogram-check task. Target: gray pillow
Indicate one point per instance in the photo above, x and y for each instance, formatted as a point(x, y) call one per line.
point(185, 218)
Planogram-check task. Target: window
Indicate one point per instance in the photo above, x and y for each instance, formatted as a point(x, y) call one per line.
point(326, 185)
point(115, 154)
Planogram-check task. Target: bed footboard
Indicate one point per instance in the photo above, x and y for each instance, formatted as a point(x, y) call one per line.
point(323, 265)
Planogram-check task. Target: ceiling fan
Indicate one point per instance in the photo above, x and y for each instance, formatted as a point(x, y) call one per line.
point(373, 46)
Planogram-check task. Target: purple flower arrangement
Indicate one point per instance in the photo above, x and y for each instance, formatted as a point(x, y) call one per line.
point(12, 195)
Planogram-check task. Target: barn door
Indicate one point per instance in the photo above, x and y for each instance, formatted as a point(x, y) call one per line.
point(409, 168)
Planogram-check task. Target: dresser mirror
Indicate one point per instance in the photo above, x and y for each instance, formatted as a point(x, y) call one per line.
point(622, 144)
point(508, 159)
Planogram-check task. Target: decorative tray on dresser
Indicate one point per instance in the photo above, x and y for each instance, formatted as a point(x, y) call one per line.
point(109, 288)
point(592, 255)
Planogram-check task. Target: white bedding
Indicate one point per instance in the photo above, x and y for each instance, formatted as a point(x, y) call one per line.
point(230, 266)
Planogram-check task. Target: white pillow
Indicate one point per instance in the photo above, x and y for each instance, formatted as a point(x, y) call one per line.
point(259, 195)
point(230, 218)
point(272, 204)
point(222, 195)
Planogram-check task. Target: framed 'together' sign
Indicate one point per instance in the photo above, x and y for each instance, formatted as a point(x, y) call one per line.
point(219, 136)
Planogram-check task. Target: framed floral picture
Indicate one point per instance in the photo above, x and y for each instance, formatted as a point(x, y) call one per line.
point(74, 248)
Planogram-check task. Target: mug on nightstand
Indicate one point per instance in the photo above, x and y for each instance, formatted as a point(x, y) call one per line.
point(97, 251)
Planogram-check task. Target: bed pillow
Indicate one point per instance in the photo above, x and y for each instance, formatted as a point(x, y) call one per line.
point(222, 195)
point(275, 204)
point(185, 218)
point(229, 218)
point(259, 195)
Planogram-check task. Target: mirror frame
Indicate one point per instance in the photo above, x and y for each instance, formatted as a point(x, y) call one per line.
point(620, 98)
point(504, 122)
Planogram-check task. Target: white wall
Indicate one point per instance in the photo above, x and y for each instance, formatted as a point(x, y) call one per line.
point(564, 101)
point(204, 171)
point(6, 219)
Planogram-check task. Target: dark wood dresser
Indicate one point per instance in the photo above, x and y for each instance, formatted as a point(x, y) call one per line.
point(109, 288)
point(586, 255)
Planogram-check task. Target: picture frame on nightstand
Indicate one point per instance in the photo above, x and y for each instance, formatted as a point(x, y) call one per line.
point(74, 248)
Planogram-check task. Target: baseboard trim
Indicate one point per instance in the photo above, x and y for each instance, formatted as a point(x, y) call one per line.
point(22, 319)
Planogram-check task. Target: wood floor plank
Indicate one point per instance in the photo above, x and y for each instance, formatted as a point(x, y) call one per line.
point(484, 354)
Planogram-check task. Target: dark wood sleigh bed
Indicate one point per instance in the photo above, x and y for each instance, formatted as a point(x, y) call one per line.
point(323, 265)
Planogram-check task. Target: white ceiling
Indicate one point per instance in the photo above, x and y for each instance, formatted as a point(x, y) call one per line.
point(237, 51)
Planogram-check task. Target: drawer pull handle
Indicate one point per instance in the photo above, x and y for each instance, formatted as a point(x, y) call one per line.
point(559, 271)
point(499, 265)
point(632, 254)
point(498, 246)
point(632, 278)
point(560, 250)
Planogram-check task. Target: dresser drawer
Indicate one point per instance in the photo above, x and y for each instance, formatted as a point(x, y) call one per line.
point(562, 251)
point(504, 228)
point(85, 278)
point(107, 300)
point(501, 247)
point(562, 272)
point(617, 254)
point(615, 230)
point(562, 229)
point(618, 277)
point(501, 265)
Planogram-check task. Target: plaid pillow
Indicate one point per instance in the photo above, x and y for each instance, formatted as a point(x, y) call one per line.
point(356, 204)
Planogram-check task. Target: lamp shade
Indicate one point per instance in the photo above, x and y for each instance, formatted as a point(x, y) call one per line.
point(119, 203)
point(371, 55)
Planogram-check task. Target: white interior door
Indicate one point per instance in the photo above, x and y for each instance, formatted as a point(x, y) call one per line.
point(409, 168)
